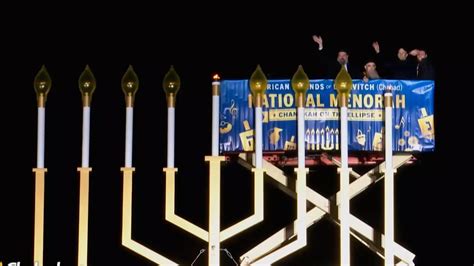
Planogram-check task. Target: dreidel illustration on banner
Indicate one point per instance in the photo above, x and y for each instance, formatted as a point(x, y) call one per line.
point(290, 145)
point(246, 137)
point(426, 124)
point(361, 138)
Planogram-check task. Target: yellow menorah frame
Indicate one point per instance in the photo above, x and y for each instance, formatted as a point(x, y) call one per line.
point(214, 236)
point(274, 248)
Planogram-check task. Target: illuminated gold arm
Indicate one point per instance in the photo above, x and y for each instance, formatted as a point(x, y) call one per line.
point(170, 212)
point(127, 240)
point(258, 85)
point(300, 224)
point(83, 215)
point(39, 214)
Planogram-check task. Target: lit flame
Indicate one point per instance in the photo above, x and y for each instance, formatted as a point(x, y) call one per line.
point(216, 77)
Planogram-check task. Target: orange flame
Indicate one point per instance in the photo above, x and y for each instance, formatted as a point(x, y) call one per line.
point(216, 77)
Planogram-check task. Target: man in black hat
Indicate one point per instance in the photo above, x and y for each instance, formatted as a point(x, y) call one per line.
point(370, 71)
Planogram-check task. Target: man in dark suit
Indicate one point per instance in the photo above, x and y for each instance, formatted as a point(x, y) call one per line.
point(402, 67)
point(424, 69)
point(334, 66)
point(370, 71)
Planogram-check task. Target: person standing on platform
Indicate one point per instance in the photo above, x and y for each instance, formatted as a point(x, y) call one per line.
point(333, 66)
point(402, 67)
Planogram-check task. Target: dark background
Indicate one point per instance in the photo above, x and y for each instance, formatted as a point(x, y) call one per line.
point(431, 199)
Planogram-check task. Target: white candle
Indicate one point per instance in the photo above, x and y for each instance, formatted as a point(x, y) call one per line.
point(171, 85)
point(171, 117)
point(40, 141)
point(301, 150)
point(344, 184)
point(301, 180)
point(129, 137)
point(215, 121)
point(258, 137)
point(389, 186)
point(86, 111)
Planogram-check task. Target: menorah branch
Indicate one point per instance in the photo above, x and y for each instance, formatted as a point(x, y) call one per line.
point(83, 214)
point(127, 240)
point(39, 215)
point(300, 224)
point(170, 215)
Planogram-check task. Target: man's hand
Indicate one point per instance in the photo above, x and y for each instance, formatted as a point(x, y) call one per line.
point(317, 39)
point(376, 47)
point(414, 52)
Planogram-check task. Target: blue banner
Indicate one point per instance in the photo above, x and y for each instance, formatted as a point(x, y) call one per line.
point(413, 127)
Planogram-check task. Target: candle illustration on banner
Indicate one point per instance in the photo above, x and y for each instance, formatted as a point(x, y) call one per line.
point(129, 86)
point(171, 85)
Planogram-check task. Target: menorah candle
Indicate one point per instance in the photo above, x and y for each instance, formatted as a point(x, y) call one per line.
point(344, 209)
point(40, 140)
point(171, 127)
point(87, 86)
point(129, 86)
point(300, 84)
point(258, 86)
point(258, 134)
point(42, 85)
point(388, 183)
point(86, 112)
point(215, 114)
point(301, 146)
point(171, 85)
point(343, 85)
point(128, 136)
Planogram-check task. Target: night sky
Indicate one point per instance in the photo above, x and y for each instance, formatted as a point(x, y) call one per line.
point(197, 50)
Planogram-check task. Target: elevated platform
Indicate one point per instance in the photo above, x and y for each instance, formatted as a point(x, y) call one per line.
point(290, 159)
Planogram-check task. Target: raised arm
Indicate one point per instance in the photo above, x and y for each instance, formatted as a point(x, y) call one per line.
point(376, 47)
point(319, 40)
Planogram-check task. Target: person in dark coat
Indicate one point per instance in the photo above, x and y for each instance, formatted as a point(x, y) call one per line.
point(424, 69)
point(334, 66)
point(402, 67)
point(370, 71)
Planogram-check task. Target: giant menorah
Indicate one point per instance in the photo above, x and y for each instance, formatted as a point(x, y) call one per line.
point(277, 246)
point(214, 235)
